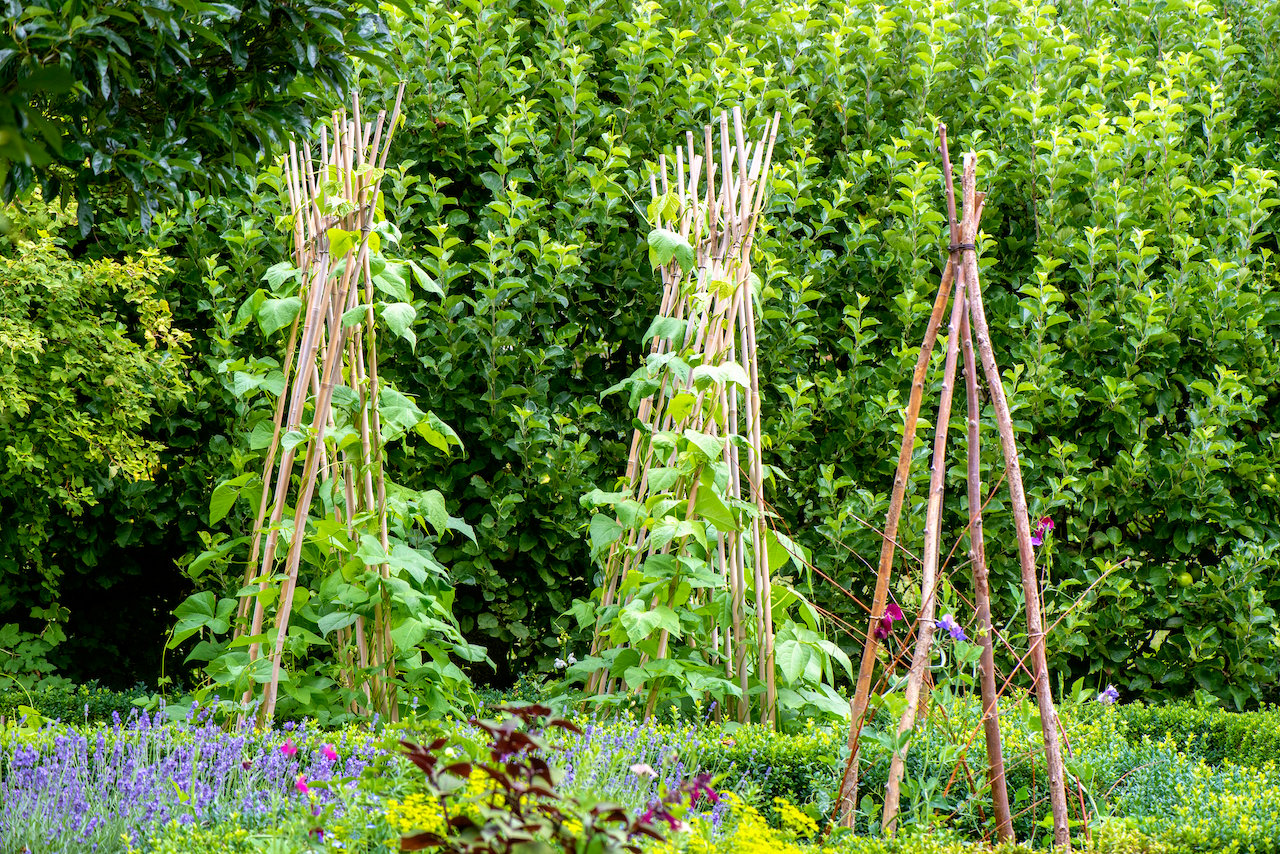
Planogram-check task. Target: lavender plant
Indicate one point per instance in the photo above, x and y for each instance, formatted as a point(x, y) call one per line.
point(109, 787)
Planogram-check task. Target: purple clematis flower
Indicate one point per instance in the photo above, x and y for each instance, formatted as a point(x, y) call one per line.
point(948, 624)
point(1044, 526)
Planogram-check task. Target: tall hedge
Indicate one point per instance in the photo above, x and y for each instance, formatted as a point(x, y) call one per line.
point(1128, 152)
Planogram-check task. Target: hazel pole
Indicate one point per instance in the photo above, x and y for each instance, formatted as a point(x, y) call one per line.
point(982, 599)
point(982, 593)
point(928, 582)
point(847, 800)
point(1026, 557)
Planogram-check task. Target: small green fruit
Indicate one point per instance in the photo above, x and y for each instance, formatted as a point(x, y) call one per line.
point(1185, 579)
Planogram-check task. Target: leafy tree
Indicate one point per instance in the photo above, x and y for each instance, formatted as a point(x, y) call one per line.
point(163, 96)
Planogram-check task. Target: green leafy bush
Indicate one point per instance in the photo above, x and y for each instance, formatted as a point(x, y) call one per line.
point(1129, 152)
point(79, 704)
point(159, 98)
point(1250, 738)
point(91, 360)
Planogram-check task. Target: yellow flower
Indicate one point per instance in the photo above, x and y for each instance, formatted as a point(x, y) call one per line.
point(416, 814)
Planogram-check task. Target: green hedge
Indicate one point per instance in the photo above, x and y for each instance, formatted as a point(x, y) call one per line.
point(80, 704)
point(1250, 738)
point(1129, 265)
point(1174, 769)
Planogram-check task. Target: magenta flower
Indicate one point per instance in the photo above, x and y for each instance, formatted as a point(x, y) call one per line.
point(301, 784)
point(329, 753)
point(287, 748)
point(892, 613)
point(702, 788)
point(1044, 526)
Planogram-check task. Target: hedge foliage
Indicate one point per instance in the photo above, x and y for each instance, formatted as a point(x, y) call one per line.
point(1129, 153)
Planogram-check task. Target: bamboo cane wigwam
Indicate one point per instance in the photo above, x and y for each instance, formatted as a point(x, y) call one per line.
point(960, 286)
point(333, 197)
point(711, 198)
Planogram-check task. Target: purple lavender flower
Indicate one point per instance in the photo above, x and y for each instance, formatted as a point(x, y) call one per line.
point(88, 790)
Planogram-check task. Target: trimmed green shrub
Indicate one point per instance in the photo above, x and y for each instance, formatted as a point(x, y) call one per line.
point(79, 704)
point(1251, 738)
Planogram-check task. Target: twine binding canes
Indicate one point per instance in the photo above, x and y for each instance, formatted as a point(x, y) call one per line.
point(333, 197)
point(712, 200)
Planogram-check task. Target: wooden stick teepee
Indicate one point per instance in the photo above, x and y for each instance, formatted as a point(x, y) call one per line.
point(333, 196)
point(960, 285)
point(715, 204)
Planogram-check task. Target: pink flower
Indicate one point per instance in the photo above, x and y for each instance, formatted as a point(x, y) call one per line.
point(892, 613)
point(1044, 526)
point(301, 784)
point(642, 770)
point(329, 753)
point(288, 749)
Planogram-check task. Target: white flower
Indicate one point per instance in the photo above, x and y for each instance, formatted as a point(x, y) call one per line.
point(560, 665)
point(573, 659)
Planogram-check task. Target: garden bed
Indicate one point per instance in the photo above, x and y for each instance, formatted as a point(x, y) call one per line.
point(1155, 778)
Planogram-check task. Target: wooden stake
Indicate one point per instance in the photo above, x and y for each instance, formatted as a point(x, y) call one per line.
point(928, 581)
point(1022, 525)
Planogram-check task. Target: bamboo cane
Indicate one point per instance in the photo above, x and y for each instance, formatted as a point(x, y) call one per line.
point(323, 359)
point(719, 198)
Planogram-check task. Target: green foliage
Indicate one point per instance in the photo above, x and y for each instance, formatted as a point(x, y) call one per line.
point(179, 838)
point(79, 704)
point(803, 767)
point(1127, 264)
point(504, 797)
point(1128, 150)
point(1249, 738)
point(661, 633)
point(91, 362)
point(161, 97)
